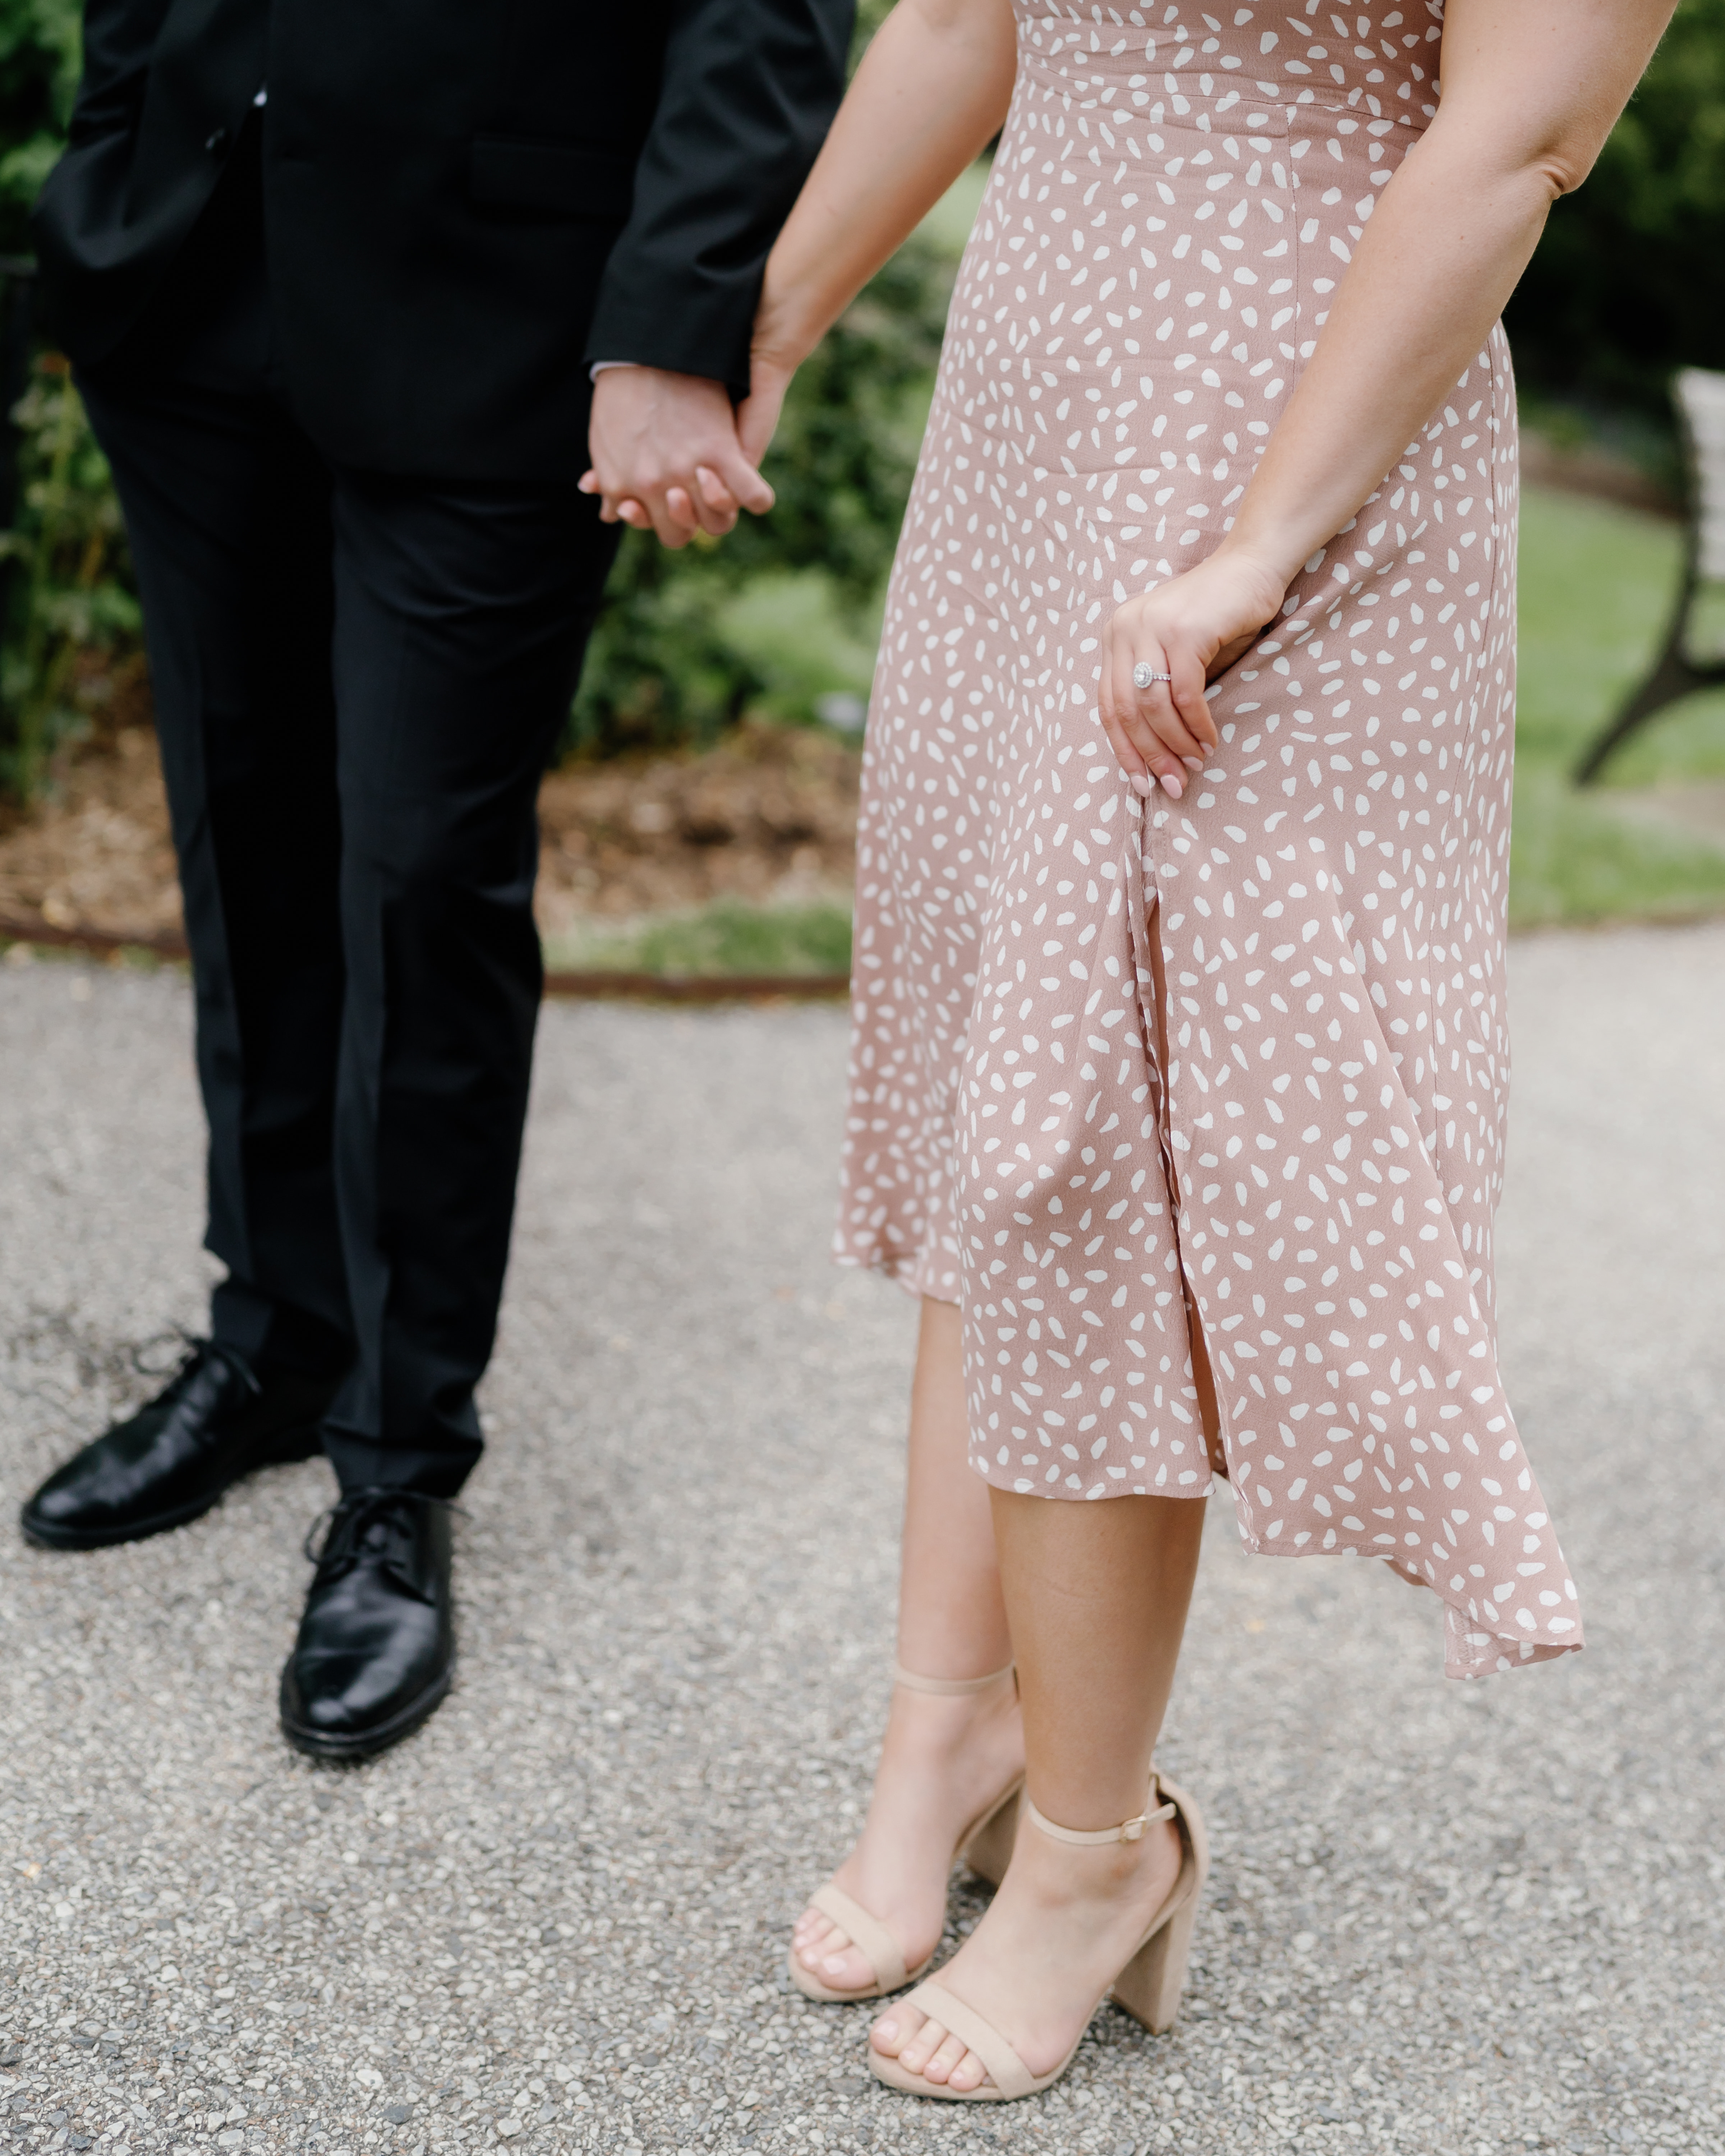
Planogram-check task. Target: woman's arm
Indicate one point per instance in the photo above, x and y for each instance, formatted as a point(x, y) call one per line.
point(933, 89)
point(1531, 88)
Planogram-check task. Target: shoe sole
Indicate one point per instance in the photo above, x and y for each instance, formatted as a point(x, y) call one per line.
point(305, 1445)
point(316, 1745)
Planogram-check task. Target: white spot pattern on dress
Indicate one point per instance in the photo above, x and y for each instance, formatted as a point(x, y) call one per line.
point(1318, 1166)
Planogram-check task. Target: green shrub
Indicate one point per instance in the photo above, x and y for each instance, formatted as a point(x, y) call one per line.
point(661, 667)
point(1624, 287)
point(1627, 285)
point(69, 578)
point(41, 49)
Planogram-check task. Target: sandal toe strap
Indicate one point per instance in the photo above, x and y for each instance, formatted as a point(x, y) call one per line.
point(1006, 2068)
point(867, 1934)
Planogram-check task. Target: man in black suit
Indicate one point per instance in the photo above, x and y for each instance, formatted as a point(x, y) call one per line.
point(335, 279)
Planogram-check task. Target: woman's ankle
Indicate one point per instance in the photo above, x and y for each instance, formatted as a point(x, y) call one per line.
point(929, 1734)
point(1061, 1873)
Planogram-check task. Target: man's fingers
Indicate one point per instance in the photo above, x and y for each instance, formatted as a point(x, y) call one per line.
point(708, 499)
point(745, 484)
point(673, 531)
point(715, 516)
point(715, 493)
point(682, 510)
point(668, 443)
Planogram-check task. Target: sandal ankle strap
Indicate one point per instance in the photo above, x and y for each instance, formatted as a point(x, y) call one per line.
point(949, 1687)
point(1132, 1830)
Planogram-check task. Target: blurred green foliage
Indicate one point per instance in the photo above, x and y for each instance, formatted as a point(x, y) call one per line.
point(1595, 587)
point(1627, 283)
point(41, 47)
point(674, 659)
point(1624, 288)
point(669, 661)
point(666, 663)
point(728, 937)
point(68, 584)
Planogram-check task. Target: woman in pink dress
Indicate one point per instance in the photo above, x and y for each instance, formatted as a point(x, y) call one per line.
point(1178, 1084)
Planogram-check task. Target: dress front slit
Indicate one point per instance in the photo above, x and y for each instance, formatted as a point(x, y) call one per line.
point(1308, 1152)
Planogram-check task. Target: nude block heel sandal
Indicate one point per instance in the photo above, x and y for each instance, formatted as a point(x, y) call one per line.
point(984, 1847)
point(1148, 1988)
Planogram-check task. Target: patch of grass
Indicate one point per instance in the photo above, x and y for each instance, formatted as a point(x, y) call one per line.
point(726, 937)
point(796, 635)
point(1596, 588)
point(1573, 858)
point(1596, 583)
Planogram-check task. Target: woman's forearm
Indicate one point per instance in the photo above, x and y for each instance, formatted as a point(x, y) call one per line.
point(1451, 237)
point(933, 89)
point(1428, 280)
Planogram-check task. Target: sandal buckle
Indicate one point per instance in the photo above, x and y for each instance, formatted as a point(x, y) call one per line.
point(1133, 1830)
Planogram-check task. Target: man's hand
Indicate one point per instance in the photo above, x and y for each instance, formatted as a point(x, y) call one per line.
point(665, 454)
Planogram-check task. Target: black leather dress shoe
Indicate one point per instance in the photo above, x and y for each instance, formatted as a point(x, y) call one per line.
point(214, 1421)
point(376, 1646)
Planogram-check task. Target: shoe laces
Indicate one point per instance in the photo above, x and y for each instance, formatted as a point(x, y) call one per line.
point(369, 1522)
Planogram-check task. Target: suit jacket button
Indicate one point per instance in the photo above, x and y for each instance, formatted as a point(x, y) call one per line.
point(218, 143)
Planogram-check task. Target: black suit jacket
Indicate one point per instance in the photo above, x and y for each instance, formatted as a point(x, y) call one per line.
point(466, 201)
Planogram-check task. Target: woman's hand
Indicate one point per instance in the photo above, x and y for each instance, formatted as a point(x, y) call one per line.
point(1191, 629)
point(771, 368)
point(665, 455)
point(703, 493)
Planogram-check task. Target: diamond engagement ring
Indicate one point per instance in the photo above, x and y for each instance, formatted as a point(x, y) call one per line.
point(1143, 674)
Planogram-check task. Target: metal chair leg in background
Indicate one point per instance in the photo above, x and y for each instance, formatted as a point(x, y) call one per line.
point(1700, 399)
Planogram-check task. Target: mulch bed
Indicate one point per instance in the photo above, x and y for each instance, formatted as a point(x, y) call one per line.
point(768, 816)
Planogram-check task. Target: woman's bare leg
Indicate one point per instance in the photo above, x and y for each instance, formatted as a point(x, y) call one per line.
point(1097, 1595)
point(941, 1760)
point(952, 1618)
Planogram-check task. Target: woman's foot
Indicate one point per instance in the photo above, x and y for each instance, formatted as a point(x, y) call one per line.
point(943, 1762)
point(1065, 1923)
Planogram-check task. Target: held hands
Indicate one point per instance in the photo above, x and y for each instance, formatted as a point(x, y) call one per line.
point(670, 455)
point(1192, 628)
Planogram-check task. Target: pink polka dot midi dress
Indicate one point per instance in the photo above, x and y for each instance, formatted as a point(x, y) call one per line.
point(1307, 1145)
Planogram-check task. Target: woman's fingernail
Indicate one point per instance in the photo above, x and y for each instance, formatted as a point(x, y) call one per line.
point(1172, 784)
point(1192, 762)
point(1142, 783)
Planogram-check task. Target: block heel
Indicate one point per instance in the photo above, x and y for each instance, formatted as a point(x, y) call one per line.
point(987, 1850)
point(1148, 1988)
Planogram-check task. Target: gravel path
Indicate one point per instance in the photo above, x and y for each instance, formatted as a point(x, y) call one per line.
point(1449, 1920)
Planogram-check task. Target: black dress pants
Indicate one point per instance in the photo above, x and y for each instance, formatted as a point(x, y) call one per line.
point(358, 681)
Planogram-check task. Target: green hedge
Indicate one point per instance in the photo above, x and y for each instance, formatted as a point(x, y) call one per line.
point(1625, 286)
point(663, 667)
point(1628, 282)
point(40, 49)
